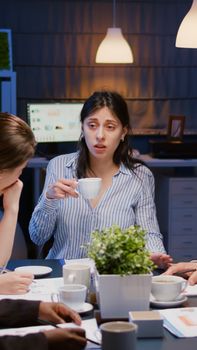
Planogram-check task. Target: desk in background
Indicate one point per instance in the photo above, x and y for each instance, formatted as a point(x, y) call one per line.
point(39, 163)
point(169, 342)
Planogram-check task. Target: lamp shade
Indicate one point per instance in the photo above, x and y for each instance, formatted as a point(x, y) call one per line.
point(114, 48)
point(187, 33)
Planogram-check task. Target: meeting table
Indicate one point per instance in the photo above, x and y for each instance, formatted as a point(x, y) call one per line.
point(167, 342)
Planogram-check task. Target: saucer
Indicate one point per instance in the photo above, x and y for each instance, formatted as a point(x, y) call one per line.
point(86, 307)
point(170, 303)
point(37, 271)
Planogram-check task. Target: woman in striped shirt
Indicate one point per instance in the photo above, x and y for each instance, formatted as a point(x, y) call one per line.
point(127, 193)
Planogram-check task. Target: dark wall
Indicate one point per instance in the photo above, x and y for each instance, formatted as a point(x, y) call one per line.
point(54, 49)
point(55, 43)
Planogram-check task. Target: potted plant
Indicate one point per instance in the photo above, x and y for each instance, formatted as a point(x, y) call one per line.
point(123, 270)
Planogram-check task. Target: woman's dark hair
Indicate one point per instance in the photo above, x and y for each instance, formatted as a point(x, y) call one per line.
point(118, 107)
point(17, 142)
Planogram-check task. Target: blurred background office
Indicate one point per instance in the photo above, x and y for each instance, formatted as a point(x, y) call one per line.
point(54, 46)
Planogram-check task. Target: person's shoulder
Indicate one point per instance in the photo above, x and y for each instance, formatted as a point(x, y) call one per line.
point(142, 169)
point(64, 159)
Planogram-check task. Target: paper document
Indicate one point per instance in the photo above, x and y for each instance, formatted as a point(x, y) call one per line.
point(191, 290)
point(182, 322)
point(89, 325)
point(40, 289)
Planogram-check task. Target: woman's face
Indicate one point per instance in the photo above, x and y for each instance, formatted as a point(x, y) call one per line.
point(103, 132)
point(9, 176)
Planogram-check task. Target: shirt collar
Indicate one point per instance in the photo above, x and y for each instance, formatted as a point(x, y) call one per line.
point(124, 170)
point(72, 162)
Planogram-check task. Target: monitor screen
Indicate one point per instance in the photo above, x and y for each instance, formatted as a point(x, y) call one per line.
point(55, 122)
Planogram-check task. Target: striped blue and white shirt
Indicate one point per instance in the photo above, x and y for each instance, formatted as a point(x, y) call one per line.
point(129, 201)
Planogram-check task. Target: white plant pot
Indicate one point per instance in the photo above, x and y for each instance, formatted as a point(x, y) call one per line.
point(117, 295)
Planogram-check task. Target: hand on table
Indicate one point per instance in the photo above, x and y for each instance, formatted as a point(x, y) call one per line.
point(182, 269)
point(69, 339)
point(62, 188)
point(15, 283)
point(162, 260)
point(58, 313)
point(61, 339)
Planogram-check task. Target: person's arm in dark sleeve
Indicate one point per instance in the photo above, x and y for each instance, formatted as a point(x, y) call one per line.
point(18, 313)
point(36, 341)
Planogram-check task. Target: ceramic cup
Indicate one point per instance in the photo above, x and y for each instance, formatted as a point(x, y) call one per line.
point(118, 335)
point(166, 287)
point(77, 274)
point(89, 187)
point(72, 295)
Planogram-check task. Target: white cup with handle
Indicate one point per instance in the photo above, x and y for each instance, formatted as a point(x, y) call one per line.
point(77, 274)
point(72, 295)
point(167, 287)
point(89, 187)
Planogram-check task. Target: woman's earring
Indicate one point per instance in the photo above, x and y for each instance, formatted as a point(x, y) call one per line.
point(122, 139)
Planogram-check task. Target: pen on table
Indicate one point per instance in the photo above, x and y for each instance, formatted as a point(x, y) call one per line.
point(50, 323)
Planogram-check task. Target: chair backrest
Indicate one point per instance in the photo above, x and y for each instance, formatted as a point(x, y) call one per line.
point(19, 250)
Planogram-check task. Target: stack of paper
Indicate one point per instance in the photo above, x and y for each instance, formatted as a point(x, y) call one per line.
point(182, 322)
point(191, 290)
point(89, 325)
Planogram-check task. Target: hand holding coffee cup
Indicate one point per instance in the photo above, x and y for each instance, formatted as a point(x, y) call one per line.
point(89, 187)
point(167, 287)
point(72, 295)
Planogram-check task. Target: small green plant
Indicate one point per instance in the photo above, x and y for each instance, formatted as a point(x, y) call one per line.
point(117, 251)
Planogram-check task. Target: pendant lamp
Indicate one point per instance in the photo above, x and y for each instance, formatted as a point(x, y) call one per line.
point(114, 48)
point(187, 33)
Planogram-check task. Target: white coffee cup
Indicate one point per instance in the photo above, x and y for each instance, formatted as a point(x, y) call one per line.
point(77, 274)
point(89, 187)
point(72, 295)
point(167, 287)
point(118, 335)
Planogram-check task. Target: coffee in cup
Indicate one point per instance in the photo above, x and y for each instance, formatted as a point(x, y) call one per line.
point(72, 295)
point(89, 187)
point(167, 287)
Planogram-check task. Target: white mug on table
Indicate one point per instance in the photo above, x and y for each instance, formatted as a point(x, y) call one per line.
point(77, 274)
point(72, 295)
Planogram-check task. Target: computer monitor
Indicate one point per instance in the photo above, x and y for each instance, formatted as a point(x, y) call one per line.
point(55, 122)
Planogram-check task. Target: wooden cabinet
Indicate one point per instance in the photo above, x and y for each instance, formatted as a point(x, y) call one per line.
point(176, 201)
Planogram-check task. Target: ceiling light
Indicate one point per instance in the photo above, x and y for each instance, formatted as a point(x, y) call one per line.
point(187, 33)
point(114, 48)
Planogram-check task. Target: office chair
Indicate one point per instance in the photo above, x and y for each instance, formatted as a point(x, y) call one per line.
point(19, 250)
